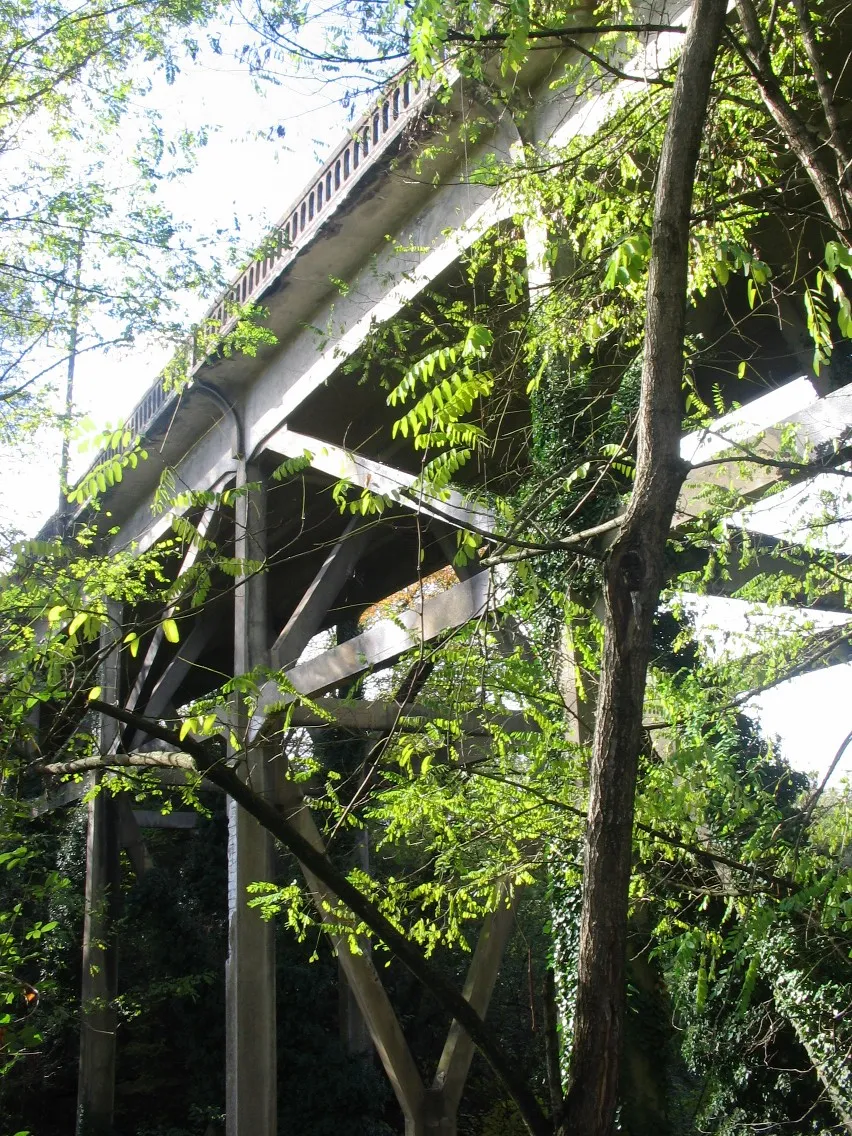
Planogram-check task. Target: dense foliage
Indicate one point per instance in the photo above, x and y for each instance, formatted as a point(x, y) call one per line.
point(739, 974)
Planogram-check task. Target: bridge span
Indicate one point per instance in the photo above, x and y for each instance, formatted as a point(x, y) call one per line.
point(388, 219)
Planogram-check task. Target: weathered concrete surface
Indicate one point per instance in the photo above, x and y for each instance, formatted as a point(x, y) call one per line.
point(250, 972)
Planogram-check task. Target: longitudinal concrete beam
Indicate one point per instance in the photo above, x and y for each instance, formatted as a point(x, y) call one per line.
point(826, 422)
point(152, 818)
point(381, 716)
point(355, 320)
point(390, 638)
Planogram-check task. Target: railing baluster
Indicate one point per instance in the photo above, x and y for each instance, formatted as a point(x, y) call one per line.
point(283, 240)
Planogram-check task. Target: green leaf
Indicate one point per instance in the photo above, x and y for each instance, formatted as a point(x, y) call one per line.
point(77, 622)
point(170, 630)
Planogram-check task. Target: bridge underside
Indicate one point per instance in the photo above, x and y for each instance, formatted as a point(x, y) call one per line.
point(319, 399)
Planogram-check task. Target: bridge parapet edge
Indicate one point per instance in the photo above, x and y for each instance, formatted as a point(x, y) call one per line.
point(370, 137)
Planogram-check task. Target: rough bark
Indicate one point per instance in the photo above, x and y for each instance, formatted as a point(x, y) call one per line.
point(633, 578)
point(814, 155)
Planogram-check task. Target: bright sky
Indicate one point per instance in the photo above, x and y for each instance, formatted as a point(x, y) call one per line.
point(265, 140)
point(812, 714)
point(247, 176)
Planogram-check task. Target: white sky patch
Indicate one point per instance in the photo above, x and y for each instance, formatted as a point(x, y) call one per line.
point(244, 179)
point(811, 714)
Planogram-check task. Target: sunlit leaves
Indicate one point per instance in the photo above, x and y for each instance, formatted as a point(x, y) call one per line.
point(170, 630)
point(119, 451)
point(629, 261)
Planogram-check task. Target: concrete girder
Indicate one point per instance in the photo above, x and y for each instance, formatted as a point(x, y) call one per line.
point(203, 469)
point(130, 836)
point(313, 607)
point(382, 644)
point(203, 529)
point(171, 679)
point(378, 292)
point(801, 437)
point(151, 818)
point(360, 972)
point(457, 1054)
point(381, 716)
point(343, 236)
point(824, 421)
point(425, 1110)
point(386, 282)
point(382, 479)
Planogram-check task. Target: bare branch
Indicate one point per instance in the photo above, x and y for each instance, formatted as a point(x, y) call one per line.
point(120, 760)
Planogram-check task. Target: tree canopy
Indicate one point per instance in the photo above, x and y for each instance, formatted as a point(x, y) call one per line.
point(698, 888)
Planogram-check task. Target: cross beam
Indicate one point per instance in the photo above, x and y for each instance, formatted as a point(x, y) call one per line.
point(382, 644)
point(403, 488)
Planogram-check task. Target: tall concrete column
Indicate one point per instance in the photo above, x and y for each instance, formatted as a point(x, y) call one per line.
point(436, 1116)
point(96, 1080)
point(251, 1071)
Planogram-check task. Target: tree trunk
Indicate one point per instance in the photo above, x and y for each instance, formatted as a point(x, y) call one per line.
point(633, 578)
point(812, 152)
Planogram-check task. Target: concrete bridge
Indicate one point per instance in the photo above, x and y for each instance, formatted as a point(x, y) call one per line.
point(390, 215)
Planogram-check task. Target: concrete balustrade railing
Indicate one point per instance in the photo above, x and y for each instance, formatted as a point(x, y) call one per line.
point(368, 139)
